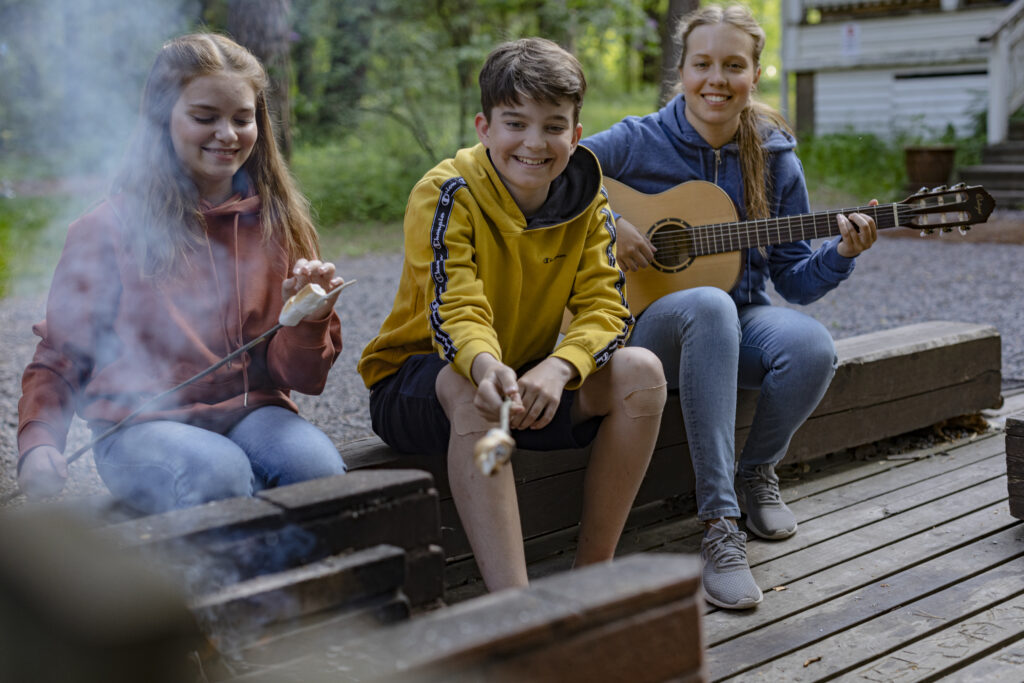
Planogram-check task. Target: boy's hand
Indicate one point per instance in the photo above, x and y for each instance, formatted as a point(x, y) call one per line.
point(494, 381)
point(858, 231)
point(541, 389)
point(632, 248)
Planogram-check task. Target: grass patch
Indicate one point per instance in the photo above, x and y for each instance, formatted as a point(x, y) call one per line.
point(351, 239)
point(32, 231)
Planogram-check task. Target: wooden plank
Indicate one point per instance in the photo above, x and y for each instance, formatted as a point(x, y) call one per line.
point(839, 508)
point(1005, 665)
point(1015, 467)
point(849, 649)
point(857, 598)
point(571, 613)
point(946, 651)
point(827, 579)
point(196, 523)
point(243, 611)
point(970, 488)
point(554, 610)
point(826, 433)
point(328, 495)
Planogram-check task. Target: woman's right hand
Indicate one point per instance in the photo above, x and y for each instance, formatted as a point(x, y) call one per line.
point(633, 249)
point(43, 473)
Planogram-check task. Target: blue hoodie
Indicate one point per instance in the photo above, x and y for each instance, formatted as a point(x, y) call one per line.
point(661, 150)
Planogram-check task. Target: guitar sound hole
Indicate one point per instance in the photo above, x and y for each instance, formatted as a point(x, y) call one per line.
point(671, 237)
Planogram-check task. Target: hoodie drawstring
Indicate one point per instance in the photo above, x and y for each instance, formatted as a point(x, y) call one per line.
point(238, 341)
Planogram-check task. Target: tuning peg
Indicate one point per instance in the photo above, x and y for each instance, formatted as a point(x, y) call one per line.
point(927, 231)
point(947, 229)
point(964, 228)
point(940, 188)
point(959, 186)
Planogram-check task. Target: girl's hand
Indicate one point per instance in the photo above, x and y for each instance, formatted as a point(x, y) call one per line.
point(312, 272)
point(541, 389)
point(632, 248)
point(858, 231)
point(43, 473)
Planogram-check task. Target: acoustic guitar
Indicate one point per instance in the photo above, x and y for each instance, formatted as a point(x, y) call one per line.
point(699, 240)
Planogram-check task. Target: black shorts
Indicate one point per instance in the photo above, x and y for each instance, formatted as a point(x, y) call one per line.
point(408, 416)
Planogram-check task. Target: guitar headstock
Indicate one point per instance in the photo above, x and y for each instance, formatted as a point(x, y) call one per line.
point(943, 208)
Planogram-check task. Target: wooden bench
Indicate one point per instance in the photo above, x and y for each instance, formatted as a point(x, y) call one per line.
point(887, 383)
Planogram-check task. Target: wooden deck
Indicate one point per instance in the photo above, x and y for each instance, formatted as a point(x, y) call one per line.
point(906, 567)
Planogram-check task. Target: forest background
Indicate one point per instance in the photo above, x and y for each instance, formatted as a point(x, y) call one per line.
point(370, 95)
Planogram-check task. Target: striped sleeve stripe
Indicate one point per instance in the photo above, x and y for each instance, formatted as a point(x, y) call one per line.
point(605, 354)
point(438, 272)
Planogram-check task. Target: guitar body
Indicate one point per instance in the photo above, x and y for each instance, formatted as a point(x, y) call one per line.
point(666, 218)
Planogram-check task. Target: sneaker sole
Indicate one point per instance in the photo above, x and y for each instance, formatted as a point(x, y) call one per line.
point(745, 604)
point(776, 536)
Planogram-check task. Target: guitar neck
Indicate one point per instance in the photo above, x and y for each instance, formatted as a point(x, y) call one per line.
point(718, 238)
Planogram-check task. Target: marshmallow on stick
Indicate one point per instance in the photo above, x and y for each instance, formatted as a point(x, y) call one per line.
point(494, 448)
point(307, 300)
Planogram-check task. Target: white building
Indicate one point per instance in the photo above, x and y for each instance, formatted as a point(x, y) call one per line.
point(917, 66)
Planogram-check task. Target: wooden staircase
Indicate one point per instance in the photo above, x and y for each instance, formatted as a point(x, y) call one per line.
point(1002, 169)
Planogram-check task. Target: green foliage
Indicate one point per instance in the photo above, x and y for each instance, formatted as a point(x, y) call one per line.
point(857, 166)
point(32, 231)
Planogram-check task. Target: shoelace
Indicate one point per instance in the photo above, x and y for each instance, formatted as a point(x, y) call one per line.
point(763, 484)
point(726, 547)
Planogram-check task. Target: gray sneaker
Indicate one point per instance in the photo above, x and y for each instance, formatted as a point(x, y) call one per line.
point(726, 575)
point(757, 489)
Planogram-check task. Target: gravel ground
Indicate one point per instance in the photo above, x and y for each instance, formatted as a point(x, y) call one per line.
point(902, 280)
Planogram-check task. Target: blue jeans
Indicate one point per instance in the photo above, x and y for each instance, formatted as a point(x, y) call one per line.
point(708, 349)
point(163, 465)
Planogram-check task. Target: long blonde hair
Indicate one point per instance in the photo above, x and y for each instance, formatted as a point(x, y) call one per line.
point(756, 120)
point(163, 202)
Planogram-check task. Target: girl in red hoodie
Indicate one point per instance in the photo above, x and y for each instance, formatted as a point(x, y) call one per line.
point(202, 240)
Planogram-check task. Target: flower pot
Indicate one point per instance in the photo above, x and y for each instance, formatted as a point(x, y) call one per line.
point(929, 165)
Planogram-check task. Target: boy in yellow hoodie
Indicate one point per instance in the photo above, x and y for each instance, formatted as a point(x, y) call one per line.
point(499, 241)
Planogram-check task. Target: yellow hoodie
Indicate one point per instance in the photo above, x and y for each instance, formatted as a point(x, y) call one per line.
point(479, 277)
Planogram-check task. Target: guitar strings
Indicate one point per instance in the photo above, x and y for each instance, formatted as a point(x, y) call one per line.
point(709, 238)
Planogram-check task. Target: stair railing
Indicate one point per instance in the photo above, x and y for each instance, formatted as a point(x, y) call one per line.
point(1005, 70)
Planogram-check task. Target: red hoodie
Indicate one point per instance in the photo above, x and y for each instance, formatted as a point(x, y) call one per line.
point(114, 338)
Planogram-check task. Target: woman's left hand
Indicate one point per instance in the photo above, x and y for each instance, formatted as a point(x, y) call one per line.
point(859, 232)
point(316, 272)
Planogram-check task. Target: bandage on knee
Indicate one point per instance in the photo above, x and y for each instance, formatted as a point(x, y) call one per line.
point(466, 419)
point(646, 402)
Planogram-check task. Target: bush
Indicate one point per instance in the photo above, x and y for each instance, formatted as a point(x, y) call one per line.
point(858, 165)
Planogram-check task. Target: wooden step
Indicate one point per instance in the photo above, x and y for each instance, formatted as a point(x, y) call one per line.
point(1009, 152)
point(1005, 182)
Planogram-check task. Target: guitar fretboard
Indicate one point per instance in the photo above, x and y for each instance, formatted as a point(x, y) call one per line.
point(717, 238)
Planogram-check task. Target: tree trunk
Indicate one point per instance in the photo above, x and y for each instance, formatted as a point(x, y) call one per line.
point(263, 26)
point(669, 55)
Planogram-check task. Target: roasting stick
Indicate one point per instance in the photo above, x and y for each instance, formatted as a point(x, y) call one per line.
point(494, 448)
point(298, 306)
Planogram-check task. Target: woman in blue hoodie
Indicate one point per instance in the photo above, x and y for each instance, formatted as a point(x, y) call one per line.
point(711, 341)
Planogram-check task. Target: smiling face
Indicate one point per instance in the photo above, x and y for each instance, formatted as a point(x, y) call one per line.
point(719, 71)
point(213, 130)
point(530, 145)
